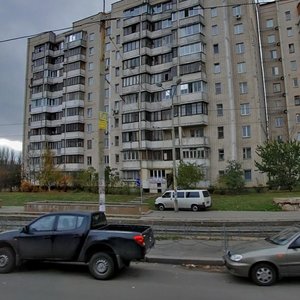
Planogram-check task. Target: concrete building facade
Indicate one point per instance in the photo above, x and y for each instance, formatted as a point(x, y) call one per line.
point(185, 80)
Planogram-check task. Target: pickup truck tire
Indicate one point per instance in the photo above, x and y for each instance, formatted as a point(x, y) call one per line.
point(102, 266)
point(7, 260)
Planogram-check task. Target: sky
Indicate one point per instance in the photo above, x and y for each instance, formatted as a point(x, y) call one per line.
point(20, 18)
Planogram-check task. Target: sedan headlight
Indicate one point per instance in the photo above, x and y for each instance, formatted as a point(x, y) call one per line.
point(236, 257)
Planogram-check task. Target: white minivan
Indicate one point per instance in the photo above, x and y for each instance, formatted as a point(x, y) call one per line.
point(187, 199)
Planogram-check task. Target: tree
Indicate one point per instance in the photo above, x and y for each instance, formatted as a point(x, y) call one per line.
point(189, 175)
point(233, 178)
point(48, 175)
point(281, 162)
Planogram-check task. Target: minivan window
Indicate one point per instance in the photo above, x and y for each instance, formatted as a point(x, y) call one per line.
point(180, 194)
point(205, 193)
point(192, 194)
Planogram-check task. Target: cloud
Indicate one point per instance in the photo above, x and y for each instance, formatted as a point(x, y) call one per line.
point(15, 145)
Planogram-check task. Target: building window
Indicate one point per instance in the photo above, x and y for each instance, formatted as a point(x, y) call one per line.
point(273, 54)
point(298, 118)
point(276, 87)
point(238, 29)
point(214, 30)
point(89, 144)
point(236, 11)
point(118, 39)
point(291, 48)
point(213, 12)
point(219, 110)
point(216, 48)
point(288, 15)
point(92, 37)
point(271, 39)
point(243, 87)
point(90, 81)
point(247, 175)
point(91, 51)
point(117, 71)
point(269, 23)
point(89, 112)
point(118, 23)
point(117, 55)
point(91, 66)
point(293, 65)
point(295, 82)
point(90, 96)
point(247, 153)
point(116, 140)
point(240, 48)
point(117, 158)
point(246, 131)
point(218, 88)
point(221, 132)
point(89, 128)
point(289, 31)
point(279, 122)
point(117, 88)
point(107, 47)
point(217, 68)
point(89, 160)
point(241, 67)
point(245, 109)
point(275, 71)
point(221, 154)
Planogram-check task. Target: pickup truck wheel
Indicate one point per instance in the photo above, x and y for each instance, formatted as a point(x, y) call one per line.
point(102, 266)
point(7, 260)
point(161, 207)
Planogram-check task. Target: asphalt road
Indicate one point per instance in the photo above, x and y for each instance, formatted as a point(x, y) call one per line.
point(141, 281)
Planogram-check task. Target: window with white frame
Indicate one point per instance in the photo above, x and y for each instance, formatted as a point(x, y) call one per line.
point(89, 112)
point(237, 11)
point(298, 118)
point(247, 153)
point(238, 29)
point(243, 87)
point(295, 82)
point(92, 36)
point(91, 66)
point(218, 88)
point(90, 81)
point(245, 109)
point(246, 131)
point(217, 68)
point(219, 110)
point(291, 48)
point(273, 54)
point(275, 71)
point(241, 67)
point(288, 15)
point(213, 12)
point(91, 50)
point(240, 48)
point(293, 65)
point(289, 31)
point(221, 154)
point(89, 128)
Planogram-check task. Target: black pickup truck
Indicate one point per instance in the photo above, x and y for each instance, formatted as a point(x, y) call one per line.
point(83, 237)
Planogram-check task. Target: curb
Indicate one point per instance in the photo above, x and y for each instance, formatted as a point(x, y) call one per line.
point(185, 261)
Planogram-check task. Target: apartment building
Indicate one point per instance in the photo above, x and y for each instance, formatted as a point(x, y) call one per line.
point(185, 80)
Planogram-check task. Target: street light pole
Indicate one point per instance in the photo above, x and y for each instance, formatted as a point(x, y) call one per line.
point(173, 91)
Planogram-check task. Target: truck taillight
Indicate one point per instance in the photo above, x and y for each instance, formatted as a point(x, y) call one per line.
point(139, 239)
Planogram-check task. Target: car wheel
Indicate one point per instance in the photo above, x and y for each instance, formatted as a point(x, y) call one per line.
point(161, 207)
point(195, 207)
point(7, 260)
point(264, 274)
point(102, 266)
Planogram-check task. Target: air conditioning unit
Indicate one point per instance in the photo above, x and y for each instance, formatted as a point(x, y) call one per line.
point(238, 17)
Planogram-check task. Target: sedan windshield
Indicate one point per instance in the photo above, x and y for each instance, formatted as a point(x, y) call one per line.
point(283, 237)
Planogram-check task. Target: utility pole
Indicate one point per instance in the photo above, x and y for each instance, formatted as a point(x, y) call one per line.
point(102, 126)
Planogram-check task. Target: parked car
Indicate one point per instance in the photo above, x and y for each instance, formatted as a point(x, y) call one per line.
point(266, 261)
point(76, 237)
point(187, 199)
